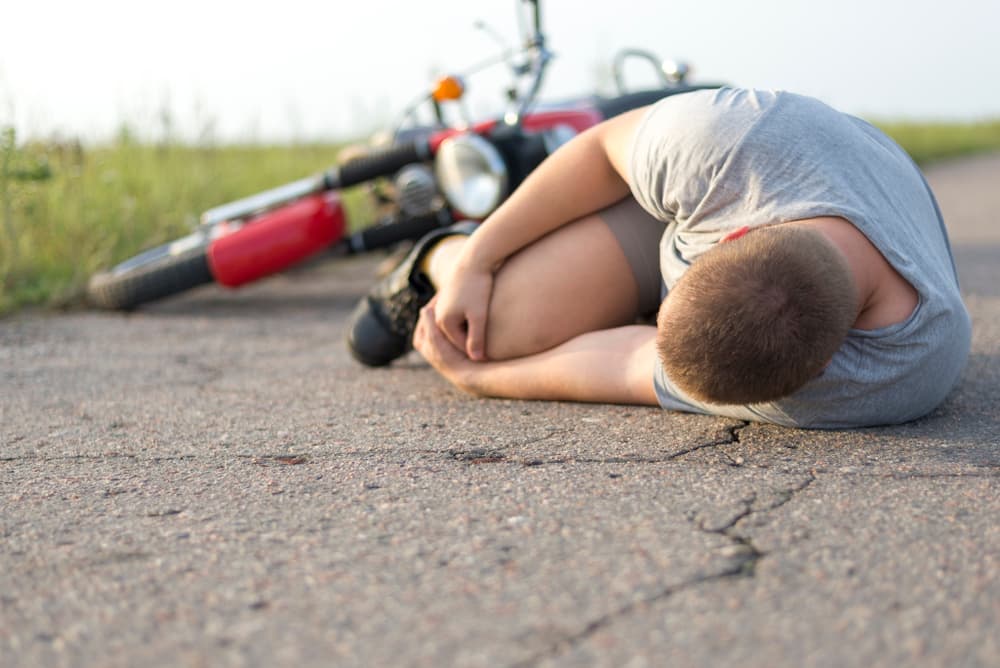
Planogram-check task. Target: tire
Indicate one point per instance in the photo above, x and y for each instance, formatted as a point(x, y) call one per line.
point(152, 275)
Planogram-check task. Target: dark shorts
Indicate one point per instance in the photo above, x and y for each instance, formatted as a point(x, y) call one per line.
point(638, 234)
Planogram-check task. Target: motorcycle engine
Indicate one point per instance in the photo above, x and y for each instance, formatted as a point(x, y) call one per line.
point(416, 190)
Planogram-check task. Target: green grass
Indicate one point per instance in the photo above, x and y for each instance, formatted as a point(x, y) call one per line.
point(67, 211)
point(928, 142)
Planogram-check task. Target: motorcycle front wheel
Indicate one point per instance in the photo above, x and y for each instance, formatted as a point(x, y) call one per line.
point(160, 272)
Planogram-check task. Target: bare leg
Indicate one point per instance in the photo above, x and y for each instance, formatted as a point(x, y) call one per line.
point(574, 280)
point(441, 259)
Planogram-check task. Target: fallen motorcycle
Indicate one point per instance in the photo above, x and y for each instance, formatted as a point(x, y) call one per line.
point(436, 174)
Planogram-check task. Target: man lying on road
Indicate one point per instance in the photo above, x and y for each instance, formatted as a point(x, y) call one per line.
point(794, 257)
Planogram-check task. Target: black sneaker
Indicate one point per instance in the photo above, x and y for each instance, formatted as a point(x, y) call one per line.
point(381, 327)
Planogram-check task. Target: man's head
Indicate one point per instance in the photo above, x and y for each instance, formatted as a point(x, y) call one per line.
point(755, 318)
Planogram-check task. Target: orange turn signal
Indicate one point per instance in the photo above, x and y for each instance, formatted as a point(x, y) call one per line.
point(448, 88)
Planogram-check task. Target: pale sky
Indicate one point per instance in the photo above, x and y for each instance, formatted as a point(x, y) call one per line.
point(302, 69)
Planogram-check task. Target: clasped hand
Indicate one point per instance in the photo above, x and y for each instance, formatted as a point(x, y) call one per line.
point(430, 341)
point(460, 309)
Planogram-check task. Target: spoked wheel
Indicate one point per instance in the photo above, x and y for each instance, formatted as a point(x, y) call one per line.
point(159, 272)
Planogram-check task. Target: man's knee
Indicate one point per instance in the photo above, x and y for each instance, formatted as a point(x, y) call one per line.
point(512, 333)
point(572, 281)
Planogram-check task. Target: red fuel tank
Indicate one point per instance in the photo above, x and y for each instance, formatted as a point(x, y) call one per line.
point(277, 239)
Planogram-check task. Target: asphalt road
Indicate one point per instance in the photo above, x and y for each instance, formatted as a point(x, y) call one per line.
point(212, 481)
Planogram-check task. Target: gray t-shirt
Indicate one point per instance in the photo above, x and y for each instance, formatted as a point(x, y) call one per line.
point(710, 162)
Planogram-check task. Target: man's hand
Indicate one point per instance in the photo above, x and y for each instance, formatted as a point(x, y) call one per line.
point(462, 305)
point(430, 341)
point(606, 366)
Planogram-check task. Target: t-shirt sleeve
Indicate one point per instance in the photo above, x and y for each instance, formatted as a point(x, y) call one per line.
point(645, 180)
point(672, 161)
point(681, 144)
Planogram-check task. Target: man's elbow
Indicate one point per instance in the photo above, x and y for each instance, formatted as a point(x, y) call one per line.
point(639, 375)
point(467, 384)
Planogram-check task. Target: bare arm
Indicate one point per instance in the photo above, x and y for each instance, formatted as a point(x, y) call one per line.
point(583, 176)
point(606, 366)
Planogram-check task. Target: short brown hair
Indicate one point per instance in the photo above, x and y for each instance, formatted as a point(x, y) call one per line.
point(754, 319)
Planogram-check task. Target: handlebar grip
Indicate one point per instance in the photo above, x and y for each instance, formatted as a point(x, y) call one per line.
point(380, 162)
point(388, 234)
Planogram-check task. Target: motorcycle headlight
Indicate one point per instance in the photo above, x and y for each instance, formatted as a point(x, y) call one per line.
point(471, 174)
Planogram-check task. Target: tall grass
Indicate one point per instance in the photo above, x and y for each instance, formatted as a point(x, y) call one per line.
point(67, 210)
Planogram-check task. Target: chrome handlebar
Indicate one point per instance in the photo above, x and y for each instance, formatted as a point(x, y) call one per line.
point(670, 72)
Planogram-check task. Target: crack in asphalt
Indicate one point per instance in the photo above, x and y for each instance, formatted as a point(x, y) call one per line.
point(743, 565)
point(497, 456)
point(735, 433)
point(475, 456)
point(747, 555)
point(571, 640)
